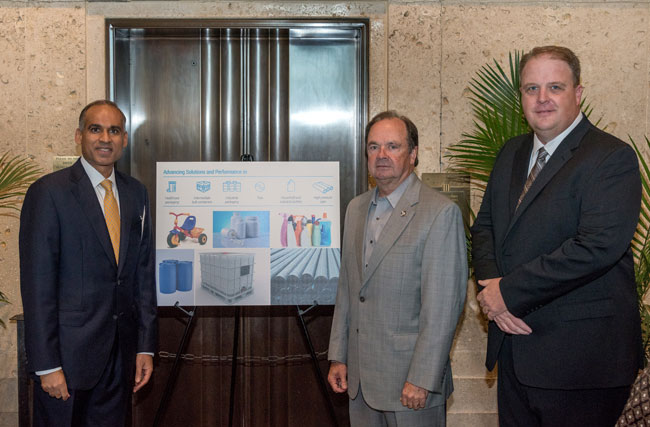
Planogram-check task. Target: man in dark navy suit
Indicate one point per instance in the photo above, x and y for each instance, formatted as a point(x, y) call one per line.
point(87, 281)
point(551, 251)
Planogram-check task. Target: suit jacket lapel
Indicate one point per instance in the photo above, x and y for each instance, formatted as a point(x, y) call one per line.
point(126, 213)
point(519, 173)
point(85, 193)
point(399, 219)
point(559, 158)
point(360, 228)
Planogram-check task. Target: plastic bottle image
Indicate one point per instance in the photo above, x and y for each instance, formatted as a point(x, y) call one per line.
point(326, 231)
point(252, 226)
point(298, 221)
point(316, 232)
point(237, 223)
point(291, 232)
point(283, 231)
point(307, 234)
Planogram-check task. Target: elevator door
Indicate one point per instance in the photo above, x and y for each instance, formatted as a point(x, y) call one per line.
point(292, 92)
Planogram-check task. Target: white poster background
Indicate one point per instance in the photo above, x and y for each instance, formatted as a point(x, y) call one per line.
point(248, 233)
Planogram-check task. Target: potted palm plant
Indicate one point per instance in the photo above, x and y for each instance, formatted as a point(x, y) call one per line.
point(16, 174)
point(498, 116)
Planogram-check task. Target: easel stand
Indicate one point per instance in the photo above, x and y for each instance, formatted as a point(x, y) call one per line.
point(233, 371)
point(235, 347)
point(312, 352)
point(171, 379)
point(314, 359)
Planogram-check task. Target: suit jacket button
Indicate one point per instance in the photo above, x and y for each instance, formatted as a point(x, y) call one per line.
point(362, 299)
point(119, 282)
point(115, 317)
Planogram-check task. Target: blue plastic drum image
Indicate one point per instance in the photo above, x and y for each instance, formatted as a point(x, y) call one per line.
point(167, 276)
point(184, 276)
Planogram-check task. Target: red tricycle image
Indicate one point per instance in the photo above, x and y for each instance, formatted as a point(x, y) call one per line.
point(188, 229)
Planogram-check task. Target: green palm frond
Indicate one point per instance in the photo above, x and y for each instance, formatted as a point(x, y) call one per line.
point(16, 174)
point(641, 246)
point(498, 116)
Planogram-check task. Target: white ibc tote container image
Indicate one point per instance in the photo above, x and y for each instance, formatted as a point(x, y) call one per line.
point(228, 275)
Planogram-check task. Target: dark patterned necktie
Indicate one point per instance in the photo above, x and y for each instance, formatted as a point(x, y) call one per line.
point(542, 157)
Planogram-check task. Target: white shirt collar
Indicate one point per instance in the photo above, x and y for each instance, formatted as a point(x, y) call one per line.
point(552, 145)
point(93, 174)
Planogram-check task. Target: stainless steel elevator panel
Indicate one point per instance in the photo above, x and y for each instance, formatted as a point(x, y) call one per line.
point(158, 86)
point(216, 90)
point(324, 106)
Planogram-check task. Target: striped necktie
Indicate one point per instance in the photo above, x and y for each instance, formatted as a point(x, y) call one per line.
point(542, 157)
point(112, 215)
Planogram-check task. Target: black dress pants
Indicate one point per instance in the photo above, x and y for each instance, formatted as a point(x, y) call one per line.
point(525, 406)
point(105, 405)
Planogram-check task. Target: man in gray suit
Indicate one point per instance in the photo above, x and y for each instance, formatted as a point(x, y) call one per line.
point(401, 290)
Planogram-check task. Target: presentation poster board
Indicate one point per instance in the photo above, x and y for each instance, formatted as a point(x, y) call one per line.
point(247, 233)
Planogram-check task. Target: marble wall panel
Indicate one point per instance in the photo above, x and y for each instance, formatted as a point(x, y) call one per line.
point(12, 90)
point(56, 83)
point(96, 58)
point(378, 63)
point(612, 49)
point(7, 386)
point(414, 74)
point(474, 419)
point(13, 139)
point(473, 395)
point(8, 344)
point(230, 9)
point(537, 2)
point(470, 342)
point(645, 88)
point(8, 419)
point(10, 282)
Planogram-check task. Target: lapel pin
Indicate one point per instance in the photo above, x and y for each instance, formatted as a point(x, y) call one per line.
point(403, 213)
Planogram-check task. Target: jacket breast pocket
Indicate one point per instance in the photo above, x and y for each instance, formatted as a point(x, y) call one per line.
point(587, 310)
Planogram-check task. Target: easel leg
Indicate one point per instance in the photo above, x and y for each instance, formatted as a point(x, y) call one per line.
point(171, 379)
point(233, 372)
point(314, 359)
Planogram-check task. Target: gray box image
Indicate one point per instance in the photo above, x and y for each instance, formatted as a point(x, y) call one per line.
point(227, 275)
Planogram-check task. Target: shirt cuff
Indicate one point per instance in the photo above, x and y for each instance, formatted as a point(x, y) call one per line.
point(48, 371)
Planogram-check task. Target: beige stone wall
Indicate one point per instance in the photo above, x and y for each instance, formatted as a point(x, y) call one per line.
point(422, 54)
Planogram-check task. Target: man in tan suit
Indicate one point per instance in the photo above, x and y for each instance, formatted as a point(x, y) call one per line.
point(401, 290)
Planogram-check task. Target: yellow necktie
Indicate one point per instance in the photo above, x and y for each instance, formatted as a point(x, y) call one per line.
point(112, 215)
